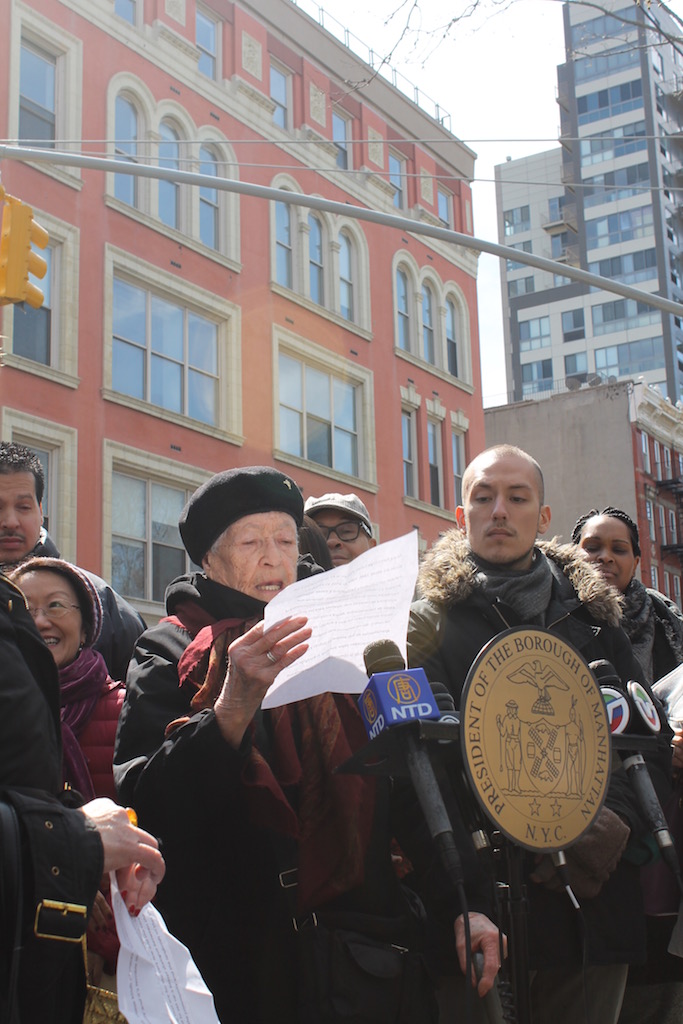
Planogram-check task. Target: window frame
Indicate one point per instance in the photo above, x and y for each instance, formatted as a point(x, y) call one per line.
point(310, 354)
point(63, 366)
point(225, 314)
point(283, 120)
point(344, 157)
point(135, 462)
point(33, 28)
point(396, 178)
point(435, 461)
point(201, 12)
point(411, 487)
point(61, 442)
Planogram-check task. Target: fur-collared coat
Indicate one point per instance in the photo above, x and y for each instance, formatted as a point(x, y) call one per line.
point(449, 625)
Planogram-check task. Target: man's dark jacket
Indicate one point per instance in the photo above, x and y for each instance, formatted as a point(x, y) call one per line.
point(449, 626)
point(121, 623)
point(61, 854)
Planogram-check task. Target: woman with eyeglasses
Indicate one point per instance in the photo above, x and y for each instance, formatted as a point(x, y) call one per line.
point(67, 612)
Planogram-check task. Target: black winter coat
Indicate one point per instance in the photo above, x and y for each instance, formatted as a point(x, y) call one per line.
point(221, 894)
point(448, 628)
point(61, 855)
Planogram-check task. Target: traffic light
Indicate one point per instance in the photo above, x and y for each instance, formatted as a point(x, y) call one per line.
point(17, 258)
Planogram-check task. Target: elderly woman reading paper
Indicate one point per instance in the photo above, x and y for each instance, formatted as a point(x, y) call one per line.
point(257, 829)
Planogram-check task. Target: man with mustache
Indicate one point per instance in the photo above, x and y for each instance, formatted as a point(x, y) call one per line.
point(22, 535)
point(488, 575)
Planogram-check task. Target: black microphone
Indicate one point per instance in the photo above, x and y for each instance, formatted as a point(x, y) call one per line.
point(469, 809)
point(627, 716)
point(384, 656)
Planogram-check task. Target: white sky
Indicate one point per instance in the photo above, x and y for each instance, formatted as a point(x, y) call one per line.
point(496, 74)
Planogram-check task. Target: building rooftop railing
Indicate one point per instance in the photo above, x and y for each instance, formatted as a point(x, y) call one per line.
point(376, 61)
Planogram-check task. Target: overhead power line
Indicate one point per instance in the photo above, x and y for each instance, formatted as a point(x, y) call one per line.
point(345, 210)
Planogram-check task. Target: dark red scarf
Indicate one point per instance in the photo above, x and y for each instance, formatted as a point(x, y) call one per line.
point(310, 738)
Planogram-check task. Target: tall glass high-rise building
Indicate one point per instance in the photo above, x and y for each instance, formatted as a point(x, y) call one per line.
point(607, 199)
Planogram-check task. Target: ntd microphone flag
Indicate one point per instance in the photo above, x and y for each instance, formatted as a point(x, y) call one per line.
point(391, 698)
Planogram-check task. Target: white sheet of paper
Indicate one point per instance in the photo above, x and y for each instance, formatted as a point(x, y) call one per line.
point(347, 608)
point(157, 979)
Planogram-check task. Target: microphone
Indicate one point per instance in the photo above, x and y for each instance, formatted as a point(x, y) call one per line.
point(388, 676)
point(468, 807)
point(631, 710)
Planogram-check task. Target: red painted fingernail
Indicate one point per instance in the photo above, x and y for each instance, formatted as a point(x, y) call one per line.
point(138, 911)
point(124, 893)
point(131, 911)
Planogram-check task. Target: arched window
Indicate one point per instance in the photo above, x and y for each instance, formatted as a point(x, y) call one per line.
point(315, 260)
point(451, 338)
point(169, 191)
point(125, 148)
point(402, 311)
point(345, 276)
point(428, 351)
point(208, 200)
point(283, 245)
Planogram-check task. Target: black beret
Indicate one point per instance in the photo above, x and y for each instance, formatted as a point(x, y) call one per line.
point(229, 496)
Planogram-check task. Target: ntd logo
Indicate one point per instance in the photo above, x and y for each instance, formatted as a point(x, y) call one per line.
point(403, 688)
point(369, 706)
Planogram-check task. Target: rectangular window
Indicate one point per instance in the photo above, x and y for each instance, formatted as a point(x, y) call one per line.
point(164, 353)
point(318, 415)
point(654, 577)
point(522, 286)
point(576, 365)
point(32, 334)
point(512, 265)
point(667, 584)
point(444, 203)
point(619, 227)
point(630, 357)
point(458, 452)
point(49, 520)
point(573, 328)
point(537, 377)
point(662, 523)
point(673, 527)
point(147, 552)
point(397, 179)
point(516, 220)
point(409, 454)
point(618, 99)
point(658, 464)
point(279, 94)
point(126, 9)
point(649, 512)
point(534, 333)
point(645, 449)
point(37, 112)
point(340, 137)
point(622, 314)
point(435, 462)
point(609, 145)
point(207, 44)
point(677, 590)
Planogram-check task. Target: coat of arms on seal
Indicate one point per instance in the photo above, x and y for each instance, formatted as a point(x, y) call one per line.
point(535, 738)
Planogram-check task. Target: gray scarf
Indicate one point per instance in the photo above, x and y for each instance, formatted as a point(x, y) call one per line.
point(527, 591)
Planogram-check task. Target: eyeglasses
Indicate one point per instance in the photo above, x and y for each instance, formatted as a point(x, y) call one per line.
point(53, 611)
point(345, 531)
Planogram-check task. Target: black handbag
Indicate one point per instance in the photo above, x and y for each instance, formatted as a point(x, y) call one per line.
point(10, 909)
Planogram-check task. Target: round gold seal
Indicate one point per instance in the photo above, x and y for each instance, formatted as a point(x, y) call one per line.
point(535, 738)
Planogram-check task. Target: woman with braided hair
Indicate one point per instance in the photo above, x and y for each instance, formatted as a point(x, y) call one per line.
point(653, 623)
point(654, 992)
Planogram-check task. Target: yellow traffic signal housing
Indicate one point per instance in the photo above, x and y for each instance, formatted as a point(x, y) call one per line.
point(17, 259)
